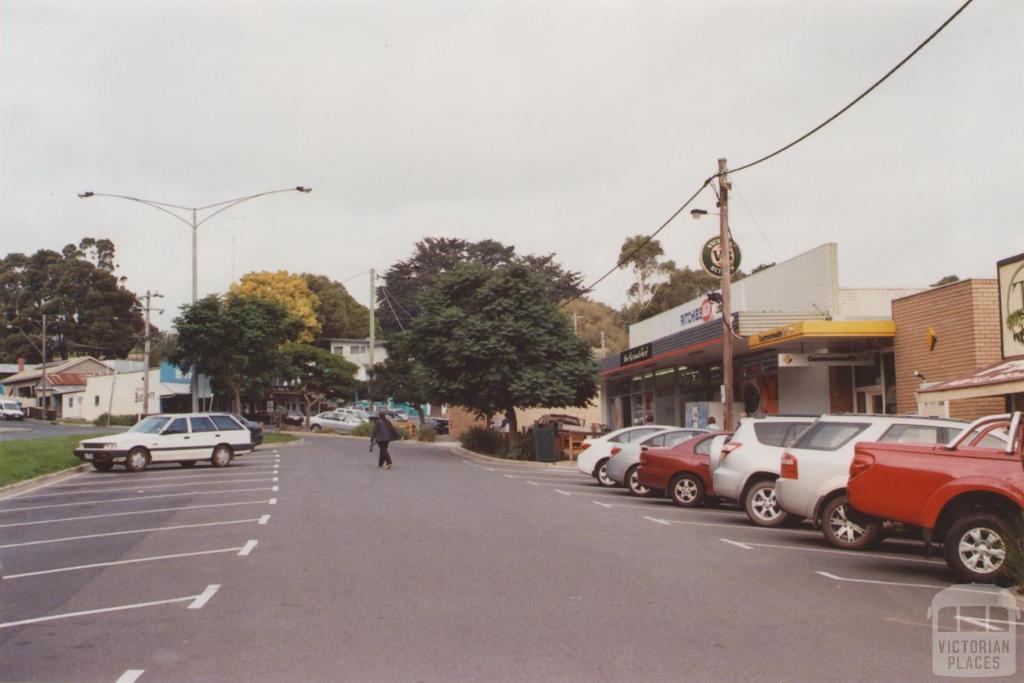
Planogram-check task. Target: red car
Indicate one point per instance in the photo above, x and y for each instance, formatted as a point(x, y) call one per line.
point(682, 471)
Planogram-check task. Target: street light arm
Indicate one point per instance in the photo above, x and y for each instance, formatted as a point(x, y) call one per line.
point(239, 200)
point(159, 206)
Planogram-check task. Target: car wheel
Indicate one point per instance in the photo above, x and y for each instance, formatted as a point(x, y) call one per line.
point(976, 549)
point(762, 506)
point(315, 428)
point(633, 482)
point(103, 465)
point(136, 460)
point(846, 528)
point(187, 463)
point(222, 456)
point(601, 474)
point(686, 491)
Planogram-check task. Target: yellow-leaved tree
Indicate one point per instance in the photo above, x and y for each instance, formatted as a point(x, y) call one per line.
point(288, 289)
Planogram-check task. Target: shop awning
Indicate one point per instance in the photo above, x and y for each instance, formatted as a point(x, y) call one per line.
point(1001, 379)
point(823, 331)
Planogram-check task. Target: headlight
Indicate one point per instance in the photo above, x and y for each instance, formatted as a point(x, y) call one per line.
point(109, 446)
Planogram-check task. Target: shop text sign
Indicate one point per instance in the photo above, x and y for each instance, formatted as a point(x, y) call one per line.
point(698, 315)
point(806, 360)
point(636, 354)
point(1011, 305)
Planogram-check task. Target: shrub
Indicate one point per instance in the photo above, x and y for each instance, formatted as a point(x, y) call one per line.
point(524, 447)
point(427, 434)
point(364, 429)
point(120, 420)
point(483, 440)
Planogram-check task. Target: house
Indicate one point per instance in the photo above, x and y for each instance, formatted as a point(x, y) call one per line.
point(62, 377)
point(357, 351)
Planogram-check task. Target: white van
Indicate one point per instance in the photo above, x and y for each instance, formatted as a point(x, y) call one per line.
point(11, 410)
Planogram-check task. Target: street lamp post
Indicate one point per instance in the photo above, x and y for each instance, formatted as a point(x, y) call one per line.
point(193, 221)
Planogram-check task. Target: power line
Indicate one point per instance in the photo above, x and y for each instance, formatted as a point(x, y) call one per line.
point(756, 222)
point(387, 300)
point(857, 99)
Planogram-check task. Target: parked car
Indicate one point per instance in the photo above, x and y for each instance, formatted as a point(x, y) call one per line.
point(255, 429)
point(185, 439)
point(746, 468)
point(597, 449)
point(968, 494)
point(439, 424)
point(293, 418)
point(624, 463)
point(338, 420)
point(815, 468)
point(11, 410)
point(683, 471)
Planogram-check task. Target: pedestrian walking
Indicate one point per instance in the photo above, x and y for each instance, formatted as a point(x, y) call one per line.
point(383, 433)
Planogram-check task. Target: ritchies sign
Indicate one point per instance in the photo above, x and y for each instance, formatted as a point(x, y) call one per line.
point(635, 354)
point(697, 316)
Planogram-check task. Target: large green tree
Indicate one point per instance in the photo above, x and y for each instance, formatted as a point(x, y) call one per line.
point(340, 315)
point(405, 280)
point(492, 340)
point(87, 309)
point(643, 256)
point(235, 340)
point(400, 377)
point(316, 373)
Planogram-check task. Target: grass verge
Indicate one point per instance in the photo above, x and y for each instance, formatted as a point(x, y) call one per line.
point(22, 459)
point(278, 437)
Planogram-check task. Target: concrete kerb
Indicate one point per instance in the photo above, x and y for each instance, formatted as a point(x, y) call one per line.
point(19, 486)
point(526, 465)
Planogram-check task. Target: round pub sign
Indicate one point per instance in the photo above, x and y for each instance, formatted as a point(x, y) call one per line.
point(711, 257)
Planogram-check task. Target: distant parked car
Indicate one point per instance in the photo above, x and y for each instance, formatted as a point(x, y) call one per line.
point(293, 418)
point(682, 471)
point(255, 429)
point(625, 459)
point(11, 410)
point(336, 420)
point(593, 459)
point(439, 424)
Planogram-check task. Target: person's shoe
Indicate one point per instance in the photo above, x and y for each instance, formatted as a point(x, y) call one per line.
point(387, 466)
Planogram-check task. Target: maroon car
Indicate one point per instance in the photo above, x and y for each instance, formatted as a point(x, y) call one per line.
point(682, 471)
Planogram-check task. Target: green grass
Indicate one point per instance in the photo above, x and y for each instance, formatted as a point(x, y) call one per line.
point(278, 437)
point(22, 459)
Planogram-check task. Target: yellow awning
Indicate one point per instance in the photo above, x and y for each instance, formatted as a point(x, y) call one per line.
point(819, 329)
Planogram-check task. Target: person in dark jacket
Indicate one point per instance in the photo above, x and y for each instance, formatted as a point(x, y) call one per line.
point(383, 433)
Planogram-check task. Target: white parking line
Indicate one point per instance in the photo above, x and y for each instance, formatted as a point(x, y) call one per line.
point(657, 521)
point(275, 488)
point(272, 501)
point(564, 493)
point(143, 487)
point(473, 464)
point(133, 512)
point(130, 676)
point(141, 477)
point(834, 577)
point(276, 479)
point(247, 548)
point(738, 527)
point(154, 558)
point(848, 553)
point(736, 543)
point(574, 475)
point(129, 531)
point(205, 596)
point(264, 519)
point(68, 615)
point(533, 483)
point(134, 498)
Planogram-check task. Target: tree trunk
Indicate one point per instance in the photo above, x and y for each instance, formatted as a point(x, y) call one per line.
point(513, 425)
point(237, 401)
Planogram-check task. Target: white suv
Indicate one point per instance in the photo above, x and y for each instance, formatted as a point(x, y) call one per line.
point(745, 469)
point(815, 469)
point(593, 459)
point(184, 439)
point(11, 410)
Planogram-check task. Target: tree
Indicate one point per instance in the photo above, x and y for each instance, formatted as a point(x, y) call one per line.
point(595, 318)
point(400, 377)
point(948, 280)
point(234, 340)
point(286, 288)
point(644, 258)
point(405, 280)
point(317, 374)
point(338, 314)
point(763, 266)
point(87, 310)
point(493, 340)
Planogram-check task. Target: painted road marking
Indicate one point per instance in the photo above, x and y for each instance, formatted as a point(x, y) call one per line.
point(275, 488)
point(740, 527)
point(576, 475)
point(68, 615)
point(205, 596)
point(264, 519)
point(136, 488)
point(130, 531)
point(533, 483)
point(737, 544)
point(276, 479)
point(152, 476)
point(130, 676)
point(849, 553)
point(604, 505)
point(473, 464)
point(133, 512)
point(564, 493)
point(155, 558)
point(272, 501)
point(835, 577)
point(134, 498)
point(247, 548)
point(657, 521)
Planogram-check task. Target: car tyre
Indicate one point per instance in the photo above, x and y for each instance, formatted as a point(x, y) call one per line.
point(978, 548)
point(187, 463)
point(686, 490)
point(136, 460)
point(103, 465)
point(762, 507)
point(315, 428)
point(846, 528)
point(601, 474)
point(222, 456)
point(633, 482)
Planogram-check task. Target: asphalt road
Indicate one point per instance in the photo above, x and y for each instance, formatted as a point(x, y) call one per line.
point(442, 569)
point(36, 429)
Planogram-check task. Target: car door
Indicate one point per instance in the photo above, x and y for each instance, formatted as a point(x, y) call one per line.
point(174, 442)
point(229, 431)
point(205, 436)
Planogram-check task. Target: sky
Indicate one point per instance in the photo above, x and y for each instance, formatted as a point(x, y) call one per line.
point(556, 126)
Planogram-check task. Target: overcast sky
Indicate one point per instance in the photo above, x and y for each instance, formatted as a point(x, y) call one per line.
point(555, 126)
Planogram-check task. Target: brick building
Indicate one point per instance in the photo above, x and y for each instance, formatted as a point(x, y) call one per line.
point(943, 333)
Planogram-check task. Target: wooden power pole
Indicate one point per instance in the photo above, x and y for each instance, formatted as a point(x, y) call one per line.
point(145, 353)
point(726, 260)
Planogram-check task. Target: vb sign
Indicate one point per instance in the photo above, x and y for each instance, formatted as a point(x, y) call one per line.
point(711, 257)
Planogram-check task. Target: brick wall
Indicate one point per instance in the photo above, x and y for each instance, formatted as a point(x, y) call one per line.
point(965, 318)
point(840, 390)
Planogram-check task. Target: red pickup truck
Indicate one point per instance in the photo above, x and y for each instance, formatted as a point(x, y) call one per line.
point(967, 494)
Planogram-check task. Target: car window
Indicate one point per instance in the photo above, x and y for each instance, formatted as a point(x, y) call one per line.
point(639, 434)
point(703, 447)
point(150, 425)
point(907, 433)
point(224, 422)
point(202, 424)
point(658, 440)
point(178, 426)
point(829, 436)
point(677, 437)
point(773, 433)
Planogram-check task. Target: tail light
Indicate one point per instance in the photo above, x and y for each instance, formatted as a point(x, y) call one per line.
point(728, 448)
point(861, 462)
point(788, 470)
point(584, 446)
point(616, 450)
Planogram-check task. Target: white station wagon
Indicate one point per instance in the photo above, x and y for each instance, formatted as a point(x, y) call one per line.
point(184, 439)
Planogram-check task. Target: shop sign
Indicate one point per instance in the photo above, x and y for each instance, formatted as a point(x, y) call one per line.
point(1011, 305)
point(711, 257)
point(806, 360)
point(636, 354)
point(697, 316)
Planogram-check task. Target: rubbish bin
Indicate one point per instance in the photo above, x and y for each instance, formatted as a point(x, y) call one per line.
point(544, 443)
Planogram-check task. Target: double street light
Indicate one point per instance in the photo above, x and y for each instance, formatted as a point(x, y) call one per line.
point(192, 219)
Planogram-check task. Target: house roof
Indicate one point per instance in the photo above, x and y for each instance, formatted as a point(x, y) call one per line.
point(66, 379)
point(54, 368)
point(1004, 377)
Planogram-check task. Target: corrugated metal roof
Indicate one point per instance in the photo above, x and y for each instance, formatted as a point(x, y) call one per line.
point(1003, 372)
point(66, 379)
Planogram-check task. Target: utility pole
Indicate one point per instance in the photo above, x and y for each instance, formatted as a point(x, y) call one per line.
point(373, 322)
point(576, 322)
point(46, 403)
point(145, 354)
point(726, 261)
point(602, 343)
